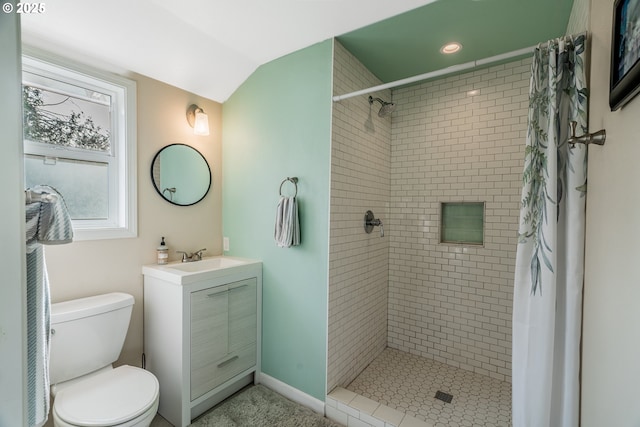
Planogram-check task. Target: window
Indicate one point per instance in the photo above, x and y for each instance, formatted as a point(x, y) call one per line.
point(80, 138)
point(462, 223)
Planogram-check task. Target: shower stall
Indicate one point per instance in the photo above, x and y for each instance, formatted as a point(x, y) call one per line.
point(414, 322)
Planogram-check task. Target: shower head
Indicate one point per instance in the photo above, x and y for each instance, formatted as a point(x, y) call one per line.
point(387, 107)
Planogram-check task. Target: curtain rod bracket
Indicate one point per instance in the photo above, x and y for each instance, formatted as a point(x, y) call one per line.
point(597, 138)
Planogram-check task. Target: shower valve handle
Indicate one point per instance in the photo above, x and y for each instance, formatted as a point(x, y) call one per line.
point(371, 221)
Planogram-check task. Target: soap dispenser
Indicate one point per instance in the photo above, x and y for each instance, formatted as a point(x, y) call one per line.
point(163, 253)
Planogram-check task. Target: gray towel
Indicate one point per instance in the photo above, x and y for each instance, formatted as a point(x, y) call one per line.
point(287, 229)
point(48, 223)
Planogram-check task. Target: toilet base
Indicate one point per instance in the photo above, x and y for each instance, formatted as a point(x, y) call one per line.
point(143, 420)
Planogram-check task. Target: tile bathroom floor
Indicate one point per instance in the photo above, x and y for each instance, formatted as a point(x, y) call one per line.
point(408, 383)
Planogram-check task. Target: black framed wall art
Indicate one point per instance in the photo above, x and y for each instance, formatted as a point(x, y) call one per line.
point(625, 53)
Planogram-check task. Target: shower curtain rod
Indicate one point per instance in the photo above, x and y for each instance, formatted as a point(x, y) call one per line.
point(441, 72)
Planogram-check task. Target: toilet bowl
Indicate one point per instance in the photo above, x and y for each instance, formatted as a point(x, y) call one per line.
point(86, 338)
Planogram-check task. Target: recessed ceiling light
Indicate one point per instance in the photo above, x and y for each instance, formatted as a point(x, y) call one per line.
point(450, 48)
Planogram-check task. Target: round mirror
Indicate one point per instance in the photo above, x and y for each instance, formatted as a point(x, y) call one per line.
point(181, 174)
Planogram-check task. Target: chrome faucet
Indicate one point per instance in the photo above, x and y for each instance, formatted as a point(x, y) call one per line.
point(191, 257)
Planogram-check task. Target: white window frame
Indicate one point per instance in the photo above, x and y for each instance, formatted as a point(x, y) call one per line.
point(122, 221)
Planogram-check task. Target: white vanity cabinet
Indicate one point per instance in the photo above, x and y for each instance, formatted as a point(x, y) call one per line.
point(201, 333)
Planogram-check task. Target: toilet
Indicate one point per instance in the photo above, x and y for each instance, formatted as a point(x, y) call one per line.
point(87, 335)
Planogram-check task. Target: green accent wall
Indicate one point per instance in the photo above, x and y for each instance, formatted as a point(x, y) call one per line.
point(278, 125)
point(409, 44)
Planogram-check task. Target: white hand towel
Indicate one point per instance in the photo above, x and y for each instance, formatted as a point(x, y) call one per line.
point(287, 228)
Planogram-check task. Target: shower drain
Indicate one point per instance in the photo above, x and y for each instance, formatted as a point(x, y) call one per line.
point(445, 397)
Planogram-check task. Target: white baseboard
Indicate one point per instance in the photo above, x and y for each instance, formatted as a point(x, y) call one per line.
point(291, 393)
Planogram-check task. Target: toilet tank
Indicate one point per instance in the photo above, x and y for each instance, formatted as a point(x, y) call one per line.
point(87, 334)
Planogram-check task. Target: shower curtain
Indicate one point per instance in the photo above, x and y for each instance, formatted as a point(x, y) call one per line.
point(47, 222)
point(547, 306)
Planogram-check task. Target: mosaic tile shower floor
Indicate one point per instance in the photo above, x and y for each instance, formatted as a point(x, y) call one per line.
point(408, 383)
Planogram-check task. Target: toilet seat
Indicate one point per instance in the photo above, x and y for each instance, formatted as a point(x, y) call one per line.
point(110, 398)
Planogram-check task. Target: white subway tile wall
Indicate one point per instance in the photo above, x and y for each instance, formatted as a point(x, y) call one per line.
point(460, 138)
point(358, 262)
point(579, 18)
point(457, 139)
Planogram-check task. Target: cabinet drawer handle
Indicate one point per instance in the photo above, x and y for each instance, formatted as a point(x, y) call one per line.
point(216, 293)
point(221, 364)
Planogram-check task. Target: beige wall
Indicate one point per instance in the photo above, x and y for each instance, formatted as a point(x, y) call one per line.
point(86, 268)
point(611, 326)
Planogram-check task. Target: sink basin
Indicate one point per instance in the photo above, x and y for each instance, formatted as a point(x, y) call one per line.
point(182, 273)
point(206, 264)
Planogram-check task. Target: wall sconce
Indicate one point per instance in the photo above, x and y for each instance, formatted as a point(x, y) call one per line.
point(198, 120)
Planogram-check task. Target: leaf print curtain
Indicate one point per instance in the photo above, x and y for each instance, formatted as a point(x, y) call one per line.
point(547, 306)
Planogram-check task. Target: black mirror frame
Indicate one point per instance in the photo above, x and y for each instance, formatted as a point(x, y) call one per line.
point(160, 191)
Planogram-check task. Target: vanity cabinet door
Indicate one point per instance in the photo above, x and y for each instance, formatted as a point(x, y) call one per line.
point(242, 314)
point(223, 334)
point(209, 336)
point(242, 328)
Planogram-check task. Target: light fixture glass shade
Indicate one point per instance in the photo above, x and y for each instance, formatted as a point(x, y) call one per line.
point(201, 125)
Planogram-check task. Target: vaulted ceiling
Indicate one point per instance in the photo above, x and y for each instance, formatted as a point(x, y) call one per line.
point(210, 47)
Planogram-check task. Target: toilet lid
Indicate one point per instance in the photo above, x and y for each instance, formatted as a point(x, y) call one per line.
point(113, 397)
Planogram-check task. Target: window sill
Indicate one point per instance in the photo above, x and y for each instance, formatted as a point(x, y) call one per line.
point(83, 234)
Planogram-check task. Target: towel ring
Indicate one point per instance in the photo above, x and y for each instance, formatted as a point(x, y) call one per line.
point(294, 180)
